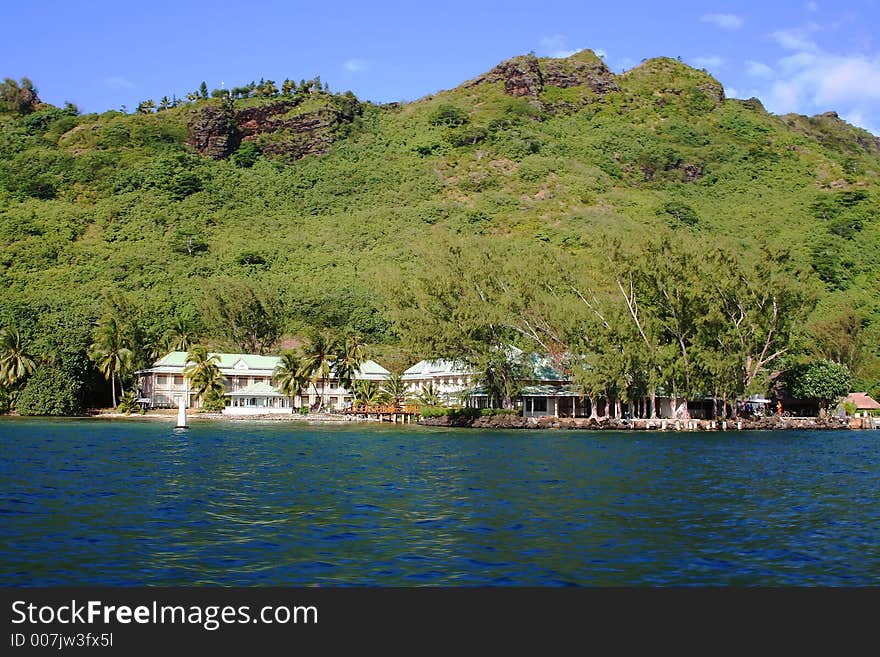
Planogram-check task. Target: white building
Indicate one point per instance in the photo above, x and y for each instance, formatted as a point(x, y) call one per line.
point(448, 378)
point(546, 390)
point(248, 384)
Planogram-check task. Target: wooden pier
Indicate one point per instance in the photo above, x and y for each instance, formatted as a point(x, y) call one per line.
point(392, 413)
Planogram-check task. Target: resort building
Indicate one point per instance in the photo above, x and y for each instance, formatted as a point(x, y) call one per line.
point(447, 378)
point(546, 390)
point(863, 403)
point(248, 384)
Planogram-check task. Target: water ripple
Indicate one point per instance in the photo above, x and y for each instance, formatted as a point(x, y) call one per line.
point(127, 503)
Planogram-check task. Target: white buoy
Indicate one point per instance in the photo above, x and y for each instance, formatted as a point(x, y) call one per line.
point(181, 413)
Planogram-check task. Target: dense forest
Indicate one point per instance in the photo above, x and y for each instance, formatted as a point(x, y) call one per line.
point(641, 228)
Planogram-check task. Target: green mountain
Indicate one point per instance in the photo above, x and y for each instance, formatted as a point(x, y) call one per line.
point(309, 203)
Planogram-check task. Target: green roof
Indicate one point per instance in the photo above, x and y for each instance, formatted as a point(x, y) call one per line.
point(537, 391)
point(225, 361)
point(369, 369)
point(260, 389)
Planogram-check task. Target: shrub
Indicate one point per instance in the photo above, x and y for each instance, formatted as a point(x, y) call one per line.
point(127, 403)
point(246, 155)
point(448, 115)
point(433, 411)
point(213, 403)
point(51, 392)
point(823, 380)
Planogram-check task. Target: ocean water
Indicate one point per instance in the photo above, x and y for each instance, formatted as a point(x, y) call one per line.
point(89, 502)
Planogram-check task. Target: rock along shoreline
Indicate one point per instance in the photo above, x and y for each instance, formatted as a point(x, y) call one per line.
point(773, 423)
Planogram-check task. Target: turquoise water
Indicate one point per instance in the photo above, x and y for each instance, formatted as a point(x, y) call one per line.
point(139, 503)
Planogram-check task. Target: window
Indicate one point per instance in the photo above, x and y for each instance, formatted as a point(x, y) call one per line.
point(178, 380)
point(539, 404)
point(161, 380)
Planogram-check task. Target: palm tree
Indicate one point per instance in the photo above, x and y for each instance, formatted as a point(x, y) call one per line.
point(396, 390)
point(348, 362)
point(180, 337)
point(290, 376)
point(110, 353)
point(15, 363)
point(203, 374)
point(430, 396)
point(368, 393)
point(319, 352)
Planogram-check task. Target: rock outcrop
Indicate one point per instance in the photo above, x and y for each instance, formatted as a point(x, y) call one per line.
point(504, 421)
point(526, 75)
point(575, 73)
point(213, 132)
point(217, 131)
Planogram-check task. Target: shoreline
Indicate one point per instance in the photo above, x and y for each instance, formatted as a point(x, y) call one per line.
point(507, 422)
point(772, 423)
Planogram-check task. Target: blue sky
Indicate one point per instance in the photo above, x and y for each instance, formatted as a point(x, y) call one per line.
point(805, 56)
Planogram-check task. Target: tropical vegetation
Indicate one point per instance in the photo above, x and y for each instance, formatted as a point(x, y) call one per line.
point(646, 232)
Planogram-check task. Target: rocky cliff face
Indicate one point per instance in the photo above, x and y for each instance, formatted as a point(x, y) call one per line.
point(217, 131)
point(526, 75)
point(213, 132)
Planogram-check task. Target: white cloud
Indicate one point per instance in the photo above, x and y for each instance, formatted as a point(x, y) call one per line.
point(356, 65)
point(847, 79)
point(811, 82)
point(857, 117)
point(758, 69)
point(711, 61)
point(812, 6)
point(827, 80)
point(797, 38)
point(600, 53)
point(724, 21)
point(118, 82)
point(731, 92)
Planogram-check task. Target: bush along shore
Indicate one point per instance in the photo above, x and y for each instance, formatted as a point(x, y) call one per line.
point(513, 421)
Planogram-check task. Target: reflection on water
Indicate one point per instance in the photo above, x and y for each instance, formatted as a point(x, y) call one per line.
point(112, 503)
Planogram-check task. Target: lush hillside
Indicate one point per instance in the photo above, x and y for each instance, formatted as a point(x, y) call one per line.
point(317, 209)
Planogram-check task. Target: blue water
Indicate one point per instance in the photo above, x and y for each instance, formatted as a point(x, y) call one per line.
point(138, 503)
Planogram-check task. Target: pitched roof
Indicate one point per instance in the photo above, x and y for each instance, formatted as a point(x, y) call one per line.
point(369, 369)
point(225, 361)
point(540, 368)
point(863, 401)
point(436, 367)
point(537, 391)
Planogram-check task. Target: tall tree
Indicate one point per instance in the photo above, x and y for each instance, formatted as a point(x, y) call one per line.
point(247, 315)
point(824, 381)
point(396, 389)
point(15, 361)
point(111, 352)
point(348, 361)
point(319, 353)
point(203, 373)
point(290, 375)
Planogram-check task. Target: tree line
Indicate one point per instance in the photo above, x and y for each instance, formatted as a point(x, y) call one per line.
point(628, 318)
point(262, 89)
